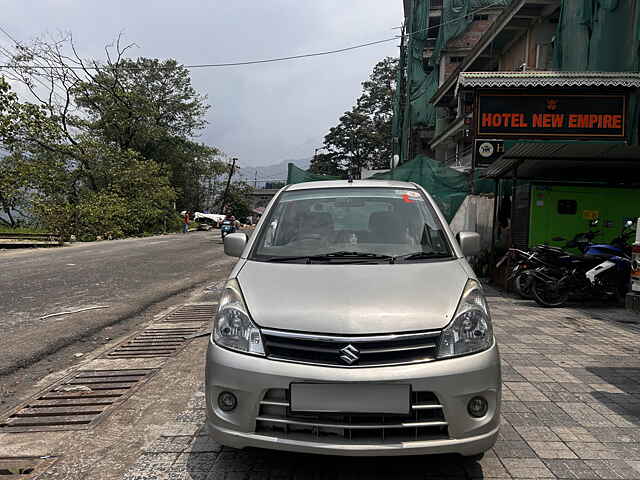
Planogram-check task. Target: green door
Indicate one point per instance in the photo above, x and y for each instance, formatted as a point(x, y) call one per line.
point(564, 211)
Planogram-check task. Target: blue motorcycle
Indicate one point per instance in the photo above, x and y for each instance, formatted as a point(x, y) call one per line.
point(603, 271)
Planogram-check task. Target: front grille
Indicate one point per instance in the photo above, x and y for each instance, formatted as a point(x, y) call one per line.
point(351, 351)
point(426, 421)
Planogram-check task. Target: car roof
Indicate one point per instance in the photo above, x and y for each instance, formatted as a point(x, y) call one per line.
point(355, 183)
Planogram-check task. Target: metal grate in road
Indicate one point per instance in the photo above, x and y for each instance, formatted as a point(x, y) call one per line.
point(192, 313)
point(77, 402)
point(154, 342)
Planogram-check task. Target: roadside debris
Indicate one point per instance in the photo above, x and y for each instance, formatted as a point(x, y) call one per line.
point(74, 388)
point(72, 311)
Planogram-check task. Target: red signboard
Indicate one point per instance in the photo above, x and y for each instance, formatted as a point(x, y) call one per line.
point(552, 114)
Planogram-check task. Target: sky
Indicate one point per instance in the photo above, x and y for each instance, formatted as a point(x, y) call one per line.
point(262, 114)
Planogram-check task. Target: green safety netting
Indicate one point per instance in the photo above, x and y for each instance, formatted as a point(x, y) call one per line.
point(422, 79)
point(298, 175)
point(600, 36)
point(447, 186)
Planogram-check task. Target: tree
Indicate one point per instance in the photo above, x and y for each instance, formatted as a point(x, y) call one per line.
point(92, 122)
point(363, 135)
point(238, 202)
point(326, 164)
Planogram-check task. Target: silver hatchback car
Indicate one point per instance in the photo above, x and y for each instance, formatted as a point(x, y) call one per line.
point(353, 325)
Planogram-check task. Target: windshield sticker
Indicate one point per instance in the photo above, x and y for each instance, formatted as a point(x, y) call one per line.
point(407, 199)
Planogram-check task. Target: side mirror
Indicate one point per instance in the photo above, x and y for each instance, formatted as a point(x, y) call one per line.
point(469, 243)
point(234, 244)
point(594, 222)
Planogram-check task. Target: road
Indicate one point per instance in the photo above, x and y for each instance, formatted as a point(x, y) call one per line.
point(125, 276)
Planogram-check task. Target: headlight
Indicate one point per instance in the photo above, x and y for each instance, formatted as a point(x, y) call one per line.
point(470, 331)
point(232, 327)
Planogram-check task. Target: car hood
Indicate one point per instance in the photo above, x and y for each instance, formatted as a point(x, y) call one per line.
point(353, 299)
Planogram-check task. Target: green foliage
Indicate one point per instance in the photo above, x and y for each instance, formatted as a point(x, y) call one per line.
point(363, 136)
point(237, 202)
point(149, 106)
point(136, 198)
point(115, 155)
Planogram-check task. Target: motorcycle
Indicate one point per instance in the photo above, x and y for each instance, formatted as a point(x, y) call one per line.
point(226, 228)
point(602, 272)
point(541, 256)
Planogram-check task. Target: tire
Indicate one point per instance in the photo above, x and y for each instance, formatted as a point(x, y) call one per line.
point(523, 284)
point(548, 296)
point(475, 458)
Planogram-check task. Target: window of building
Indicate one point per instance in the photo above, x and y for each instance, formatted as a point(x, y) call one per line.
point(567, 207)
point(456, 59)
point(481, 17)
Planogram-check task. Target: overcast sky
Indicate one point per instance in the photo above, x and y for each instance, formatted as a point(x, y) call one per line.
point(263, 113)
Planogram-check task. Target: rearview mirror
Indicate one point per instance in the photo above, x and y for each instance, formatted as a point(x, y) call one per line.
point(469, 243)
point(234, 244)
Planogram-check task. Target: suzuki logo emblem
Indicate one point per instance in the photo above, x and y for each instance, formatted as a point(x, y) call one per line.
point(350, 354)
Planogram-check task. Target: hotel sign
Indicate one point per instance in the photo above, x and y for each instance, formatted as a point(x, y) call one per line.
point(551, 115)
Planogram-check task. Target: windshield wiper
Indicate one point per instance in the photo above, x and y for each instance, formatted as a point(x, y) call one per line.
point(355, 256)
point(420, 256)
point(285, 259)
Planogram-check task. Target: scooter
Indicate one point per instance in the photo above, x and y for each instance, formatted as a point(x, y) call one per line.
point(226, 228)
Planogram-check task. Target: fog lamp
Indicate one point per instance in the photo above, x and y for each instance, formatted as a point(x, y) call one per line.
point(477, 407)
point(227, 401)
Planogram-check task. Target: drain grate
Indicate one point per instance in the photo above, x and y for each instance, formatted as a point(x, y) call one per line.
point(154, 342)
point(77, 402)
point(192, 313)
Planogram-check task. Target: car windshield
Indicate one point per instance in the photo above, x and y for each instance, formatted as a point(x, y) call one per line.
point(352, 223)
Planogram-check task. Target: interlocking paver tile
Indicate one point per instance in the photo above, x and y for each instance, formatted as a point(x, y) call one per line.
point(594, 451)
point(527, 468)
point(575, 469)
point(511, 406)
point(613, 469)
point(574, 434)
point(513, 449)
point(551, 450)
point(507, 432)
point(538, 433)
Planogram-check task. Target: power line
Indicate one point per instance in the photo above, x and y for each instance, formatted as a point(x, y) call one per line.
point(281, 59)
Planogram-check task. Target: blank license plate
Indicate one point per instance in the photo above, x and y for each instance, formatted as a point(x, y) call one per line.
point(350, 398)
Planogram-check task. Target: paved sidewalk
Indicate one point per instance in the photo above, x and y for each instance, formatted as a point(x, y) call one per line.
point(571, 410)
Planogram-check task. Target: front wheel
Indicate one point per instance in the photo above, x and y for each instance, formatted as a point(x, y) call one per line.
point(522, 284)
point(549, 294)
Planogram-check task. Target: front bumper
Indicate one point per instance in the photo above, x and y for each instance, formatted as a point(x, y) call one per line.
point(454, 382)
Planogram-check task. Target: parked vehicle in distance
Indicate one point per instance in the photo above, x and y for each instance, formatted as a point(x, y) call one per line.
point(352, 324)
point(227, 227)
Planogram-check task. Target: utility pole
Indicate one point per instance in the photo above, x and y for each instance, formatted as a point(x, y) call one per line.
point(226, 190)
point(255, 180)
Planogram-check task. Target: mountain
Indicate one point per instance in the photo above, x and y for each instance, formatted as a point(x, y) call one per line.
point(276, 172)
